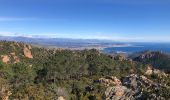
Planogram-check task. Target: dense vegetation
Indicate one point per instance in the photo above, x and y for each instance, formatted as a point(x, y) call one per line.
point(55, 72)
point(157, 59)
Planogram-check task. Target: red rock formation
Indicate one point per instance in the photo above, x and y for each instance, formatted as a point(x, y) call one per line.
point(27, 53)
point(5, 58)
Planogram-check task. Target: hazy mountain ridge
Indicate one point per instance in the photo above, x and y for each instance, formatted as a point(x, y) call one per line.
point(66, 43)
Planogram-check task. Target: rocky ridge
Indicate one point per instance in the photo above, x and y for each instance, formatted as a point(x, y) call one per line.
point(14, 58)
point(133, 86)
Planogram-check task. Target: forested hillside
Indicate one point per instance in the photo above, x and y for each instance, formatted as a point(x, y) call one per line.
point(32, 73)
point(157, 59)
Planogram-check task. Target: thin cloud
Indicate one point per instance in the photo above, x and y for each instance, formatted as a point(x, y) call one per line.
point(100, 36)
point(38, 35)
point(7, 34)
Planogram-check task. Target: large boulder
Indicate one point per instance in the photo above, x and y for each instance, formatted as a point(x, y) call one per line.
point(148, 71)
point(131, 81)
point(60, 98)
point(27, 52)
point(5, 58)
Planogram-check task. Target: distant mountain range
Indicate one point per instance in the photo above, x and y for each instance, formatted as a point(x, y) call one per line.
point(63, 42)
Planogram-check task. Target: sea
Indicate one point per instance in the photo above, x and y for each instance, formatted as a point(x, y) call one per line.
point(139, 47)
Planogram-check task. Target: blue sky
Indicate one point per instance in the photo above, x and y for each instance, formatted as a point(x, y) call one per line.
point(120, 20)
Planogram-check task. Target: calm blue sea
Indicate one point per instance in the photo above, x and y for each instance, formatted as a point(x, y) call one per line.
point(139, 47)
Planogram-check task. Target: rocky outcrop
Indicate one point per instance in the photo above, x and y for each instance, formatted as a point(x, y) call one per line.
point(120, 57)
point(10, 58)
point(110, 81)
point(139, 84)
point(150, 71)
point(5, 58)
point(27, 53)
point(115, 90)
point(132, 88)
point(6, 95)
point(119, 93)
point(135, 81)
point(60, 98)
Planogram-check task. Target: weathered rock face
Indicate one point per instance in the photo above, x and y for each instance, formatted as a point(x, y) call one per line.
point(119, 93)
point(6, 95)
point(9, 58)
point(5, 58)
point(132, 88)
point(116, 81)
point(29, 47)
point(148, 71)
point(105, 81)
point(139, 82)
point(135, 82)
point(109, 81)
point(60, 98)
point(131, 81)
point(27, 53)
point(115, 90)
